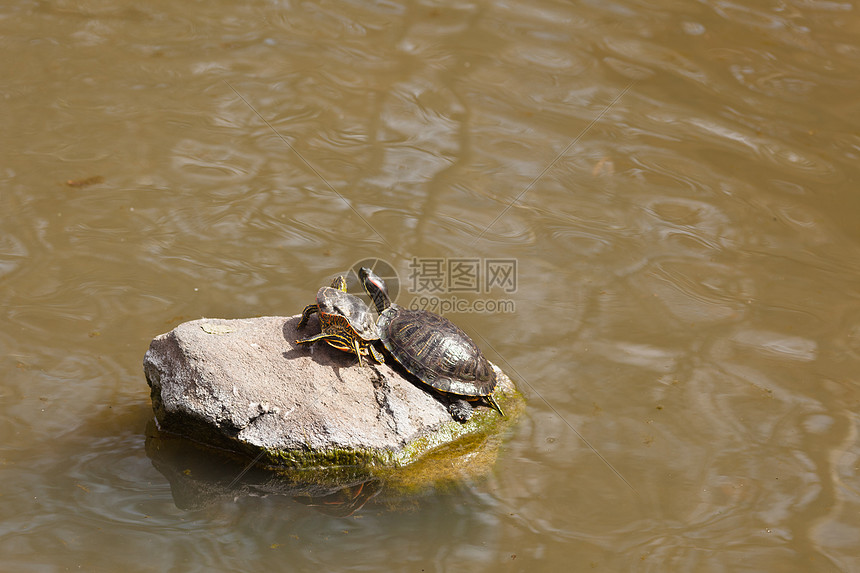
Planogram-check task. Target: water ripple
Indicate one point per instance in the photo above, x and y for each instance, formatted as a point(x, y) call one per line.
point(13, 252)
point(209, 162)
point(778, 345)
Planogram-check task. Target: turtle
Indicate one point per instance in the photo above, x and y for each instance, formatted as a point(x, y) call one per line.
point(347, 322)
point(434, 350)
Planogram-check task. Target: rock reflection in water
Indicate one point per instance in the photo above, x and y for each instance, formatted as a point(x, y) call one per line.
point(200, 477)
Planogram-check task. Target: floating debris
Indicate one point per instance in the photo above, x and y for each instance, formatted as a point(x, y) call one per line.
point(87, 181)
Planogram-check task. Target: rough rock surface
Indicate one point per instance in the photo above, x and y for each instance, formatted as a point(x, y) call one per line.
point(245, 385)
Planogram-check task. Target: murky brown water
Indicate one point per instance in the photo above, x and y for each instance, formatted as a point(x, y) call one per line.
point(677, 183)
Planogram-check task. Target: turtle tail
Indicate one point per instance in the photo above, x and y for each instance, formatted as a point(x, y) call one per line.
point(495, 405)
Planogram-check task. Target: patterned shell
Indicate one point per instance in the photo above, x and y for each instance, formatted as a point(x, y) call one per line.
point(436, 351)
point(332, 301)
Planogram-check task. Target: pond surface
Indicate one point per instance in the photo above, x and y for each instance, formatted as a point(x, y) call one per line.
point(672, 184)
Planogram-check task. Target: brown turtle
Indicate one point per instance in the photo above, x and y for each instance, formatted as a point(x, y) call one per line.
point(434, 350)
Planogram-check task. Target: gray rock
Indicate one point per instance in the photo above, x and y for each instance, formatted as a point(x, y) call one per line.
point(244, 385)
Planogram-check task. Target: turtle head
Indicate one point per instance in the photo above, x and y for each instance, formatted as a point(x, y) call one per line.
point(339, 283)
point(375, 288)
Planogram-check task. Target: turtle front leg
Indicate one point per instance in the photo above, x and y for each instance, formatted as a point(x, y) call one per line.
point(369, 349)
point(376, 354)
point(312, 339)
point(357, 349)
point(336, 340)
point(306, 314)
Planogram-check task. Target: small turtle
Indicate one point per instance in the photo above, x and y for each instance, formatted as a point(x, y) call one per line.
point(347, 323)
point(434, 350)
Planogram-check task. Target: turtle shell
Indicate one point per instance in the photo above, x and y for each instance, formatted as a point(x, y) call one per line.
point(332, 301)
point(435, 350)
